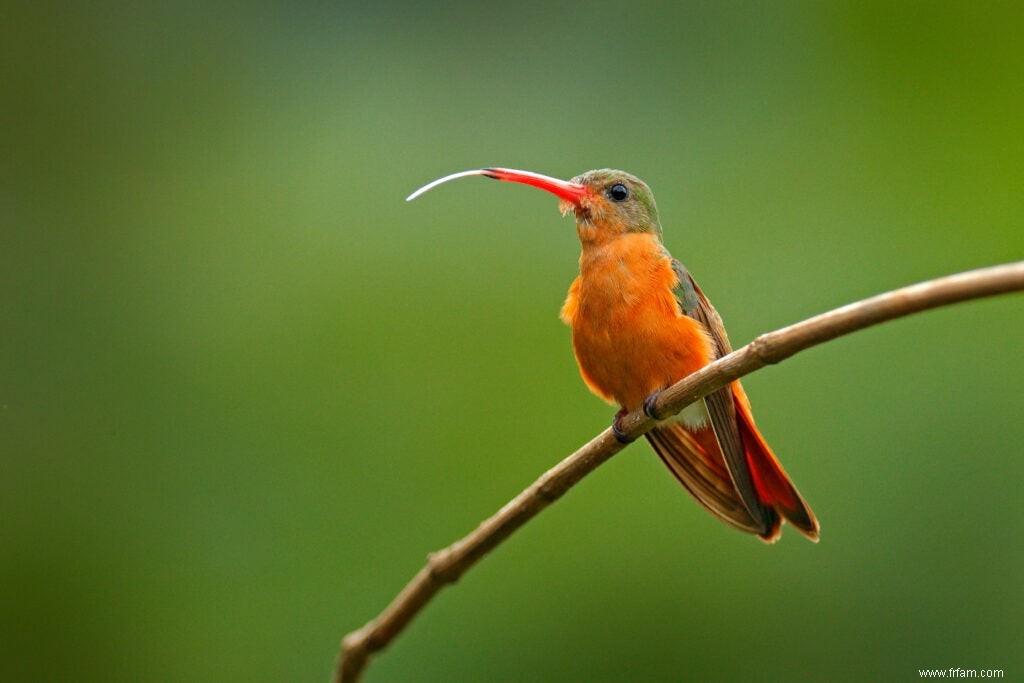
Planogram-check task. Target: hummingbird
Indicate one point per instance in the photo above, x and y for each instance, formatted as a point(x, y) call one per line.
point(639, 324)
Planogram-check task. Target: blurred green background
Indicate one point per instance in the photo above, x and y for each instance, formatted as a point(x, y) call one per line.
point(245, 388)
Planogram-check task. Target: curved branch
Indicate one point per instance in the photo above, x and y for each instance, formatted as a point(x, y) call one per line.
point(447, 565)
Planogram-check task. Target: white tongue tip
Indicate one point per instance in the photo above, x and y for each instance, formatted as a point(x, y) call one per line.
point(431, 185)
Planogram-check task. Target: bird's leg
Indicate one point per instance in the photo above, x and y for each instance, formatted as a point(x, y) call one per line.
point(620, 434)
point(650, 406)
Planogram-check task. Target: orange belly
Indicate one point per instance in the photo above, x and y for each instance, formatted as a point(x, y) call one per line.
point(629, 336)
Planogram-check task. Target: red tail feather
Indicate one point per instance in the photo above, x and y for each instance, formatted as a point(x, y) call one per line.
point(773, 486)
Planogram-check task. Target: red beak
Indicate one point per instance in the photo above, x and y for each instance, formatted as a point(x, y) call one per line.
point(570, 192)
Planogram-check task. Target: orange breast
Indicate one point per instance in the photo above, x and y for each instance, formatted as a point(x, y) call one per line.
point(629, 337)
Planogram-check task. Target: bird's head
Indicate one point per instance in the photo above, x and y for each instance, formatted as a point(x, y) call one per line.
point(606, 203)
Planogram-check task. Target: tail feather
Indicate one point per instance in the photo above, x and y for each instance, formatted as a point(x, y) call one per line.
point(696, 460)
point(773, 486)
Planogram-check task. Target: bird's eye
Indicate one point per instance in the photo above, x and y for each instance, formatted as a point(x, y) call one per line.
point(618, 192)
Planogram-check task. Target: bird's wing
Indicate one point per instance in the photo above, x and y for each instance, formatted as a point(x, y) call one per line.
point(693, 457)
point(720, 403)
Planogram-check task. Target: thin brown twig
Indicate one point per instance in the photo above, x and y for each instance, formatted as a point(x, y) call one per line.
point(447, 565)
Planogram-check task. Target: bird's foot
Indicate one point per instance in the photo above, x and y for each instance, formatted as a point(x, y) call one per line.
point(651, 408)
point(620, 434)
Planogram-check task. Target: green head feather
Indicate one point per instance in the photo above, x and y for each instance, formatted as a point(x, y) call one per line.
point(637, 208)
